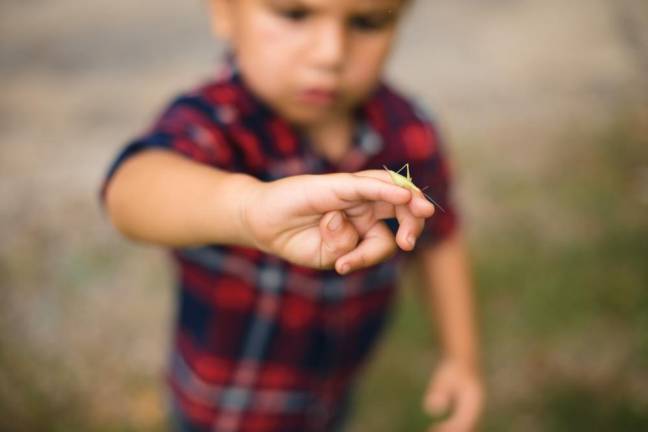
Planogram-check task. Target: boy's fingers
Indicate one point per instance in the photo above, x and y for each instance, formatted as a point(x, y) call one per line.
point(338, 237)
point(377, 174)
point(438, 396)
point(409, 228)
point(376, 246)
point(466, 412)
point(463, 418)
point(383, 210)
point(353, 188)
point(418, 205)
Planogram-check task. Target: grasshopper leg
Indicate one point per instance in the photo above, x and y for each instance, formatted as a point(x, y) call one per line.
point(401, 169)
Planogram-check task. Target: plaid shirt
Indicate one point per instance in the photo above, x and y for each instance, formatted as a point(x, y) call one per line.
point(260, 344)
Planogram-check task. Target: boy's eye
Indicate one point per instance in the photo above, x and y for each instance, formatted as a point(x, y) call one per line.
point(294, 14)
point(371, 22)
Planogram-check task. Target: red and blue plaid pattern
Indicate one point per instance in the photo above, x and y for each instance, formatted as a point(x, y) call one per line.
point(260, 344)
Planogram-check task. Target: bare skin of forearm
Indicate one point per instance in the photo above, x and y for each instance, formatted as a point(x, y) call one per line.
point(163, 198)
point(450, 294)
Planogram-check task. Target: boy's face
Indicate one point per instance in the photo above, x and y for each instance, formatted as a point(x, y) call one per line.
point(311, 60)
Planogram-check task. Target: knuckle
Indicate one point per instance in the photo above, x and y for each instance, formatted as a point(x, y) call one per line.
point(330, 248)
point(362, 261)
point(334, 251)
point(347, 244)
point(345, 177)
point(389, 251)
point(341, 245)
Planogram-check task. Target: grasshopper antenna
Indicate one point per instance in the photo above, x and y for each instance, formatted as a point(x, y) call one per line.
point(436, 204)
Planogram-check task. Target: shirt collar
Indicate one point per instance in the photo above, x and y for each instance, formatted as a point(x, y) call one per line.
point(368, 138)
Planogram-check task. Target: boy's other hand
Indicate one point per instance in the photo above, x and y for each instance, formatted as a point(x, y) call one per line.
point(454, 394)
point(333, 220)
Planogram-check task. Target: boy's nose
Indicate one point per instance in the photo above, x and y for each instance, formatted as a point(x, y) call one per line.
point(328, 47)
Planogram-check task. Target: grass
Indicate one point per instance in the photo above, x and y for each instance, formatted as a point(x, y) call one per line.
point(564, 319)
point(562, 298)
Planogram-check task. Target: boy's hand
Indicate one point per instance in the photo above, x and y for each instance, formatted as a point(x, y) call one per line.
point(455, 393)
point(333, 220)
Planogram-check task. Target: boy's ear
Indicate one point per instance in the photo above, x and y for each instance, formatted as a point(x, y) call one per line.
point(221, 18)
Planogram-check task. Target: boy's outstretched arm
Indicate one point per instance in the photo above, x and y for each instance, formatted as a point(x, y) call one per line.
point(456, 386)
point(161, 197)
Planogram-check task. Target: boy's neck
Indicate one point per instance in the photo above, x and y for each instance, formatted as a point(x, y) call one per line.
point(331, 139)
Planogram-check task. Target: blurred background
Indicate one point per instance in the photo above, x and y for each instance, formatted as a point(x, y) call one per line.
point(545, 106)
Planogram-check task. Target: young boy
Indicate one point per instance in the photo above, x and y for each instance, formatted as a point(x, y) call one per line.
point(267, 184)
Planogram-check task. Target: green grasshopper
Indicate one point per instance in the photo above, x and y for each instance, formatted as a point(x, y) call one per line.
point(407, 183)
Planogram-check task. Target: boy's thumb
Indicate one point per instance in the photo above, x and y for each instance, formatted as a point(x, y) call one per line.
point(437, 401)
point(338, 237)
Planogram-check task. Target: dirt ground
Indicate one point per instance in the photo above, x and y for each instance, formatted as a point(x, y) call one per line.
point(84, 314)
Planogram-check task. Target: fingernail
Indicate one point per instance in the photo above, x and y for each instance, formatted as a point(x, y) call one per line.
point(335, 223)
point(411, 240)
point(344, 269)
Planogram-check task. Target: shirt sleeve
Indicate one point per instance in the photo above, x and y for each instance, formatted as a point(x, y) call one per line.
point(187, 127)
point(431, 172)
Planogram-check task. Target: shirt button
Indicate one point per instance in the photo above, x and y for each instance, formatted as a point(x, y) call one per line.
point(226, 114)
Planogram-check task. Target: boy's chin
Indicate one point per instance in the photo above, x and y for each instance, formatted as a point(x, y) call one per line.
point(310, 116)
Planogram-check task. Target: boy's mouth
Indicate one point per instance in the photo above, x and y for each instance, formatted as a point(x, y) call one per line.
point(318, 97)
